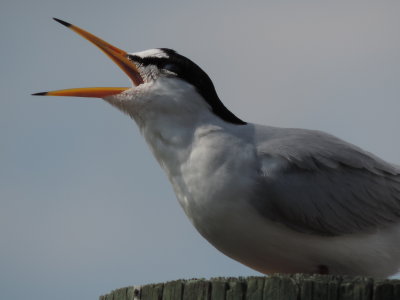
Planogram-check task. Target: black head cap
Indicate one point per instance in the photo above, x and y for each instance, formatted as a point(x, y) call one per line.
point(193, 74)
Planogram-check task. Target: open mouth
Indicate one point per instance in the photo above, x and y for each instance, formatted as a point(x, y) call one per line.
point(120, 57)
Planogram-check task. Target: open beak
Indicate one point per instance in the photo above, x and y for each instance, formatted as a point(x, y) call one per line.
point(119, 56)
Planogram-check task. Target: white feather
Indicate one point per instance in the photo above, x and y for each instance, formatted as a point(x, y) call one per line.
point(151, 53)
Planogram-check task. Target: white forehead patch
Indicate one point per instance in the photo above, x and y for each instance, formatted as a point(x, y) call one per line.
point(152, 53)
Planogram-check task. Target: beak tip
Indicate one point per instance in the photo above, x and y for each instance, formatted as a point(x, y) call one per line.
point(62, 22)
point(39, 94)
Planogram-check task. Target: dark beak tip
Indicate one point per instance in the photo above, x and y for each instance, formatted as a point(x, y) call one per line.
point(39, 94)
point(62, 22)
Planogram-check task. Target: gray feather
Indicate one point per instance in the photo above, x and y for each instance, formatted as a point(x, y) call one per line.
point(314, 182)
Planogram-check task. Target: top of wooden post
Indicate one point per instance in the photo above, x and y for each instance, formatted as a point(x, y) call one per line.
point(274, 287)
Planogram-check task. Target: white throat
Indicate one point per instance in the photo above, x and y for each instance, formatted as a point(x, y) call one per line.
point(168, 111)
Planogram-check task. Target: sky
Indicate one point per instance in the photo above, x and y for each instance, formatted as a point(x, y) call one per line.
point(84, 207)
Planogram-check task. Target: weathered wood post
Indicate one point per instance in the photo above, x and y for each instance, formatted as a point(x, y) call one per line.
point(274, 287)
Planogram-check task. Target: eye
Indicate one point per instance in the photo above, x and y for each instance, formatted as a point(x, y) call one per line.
point(171, 68)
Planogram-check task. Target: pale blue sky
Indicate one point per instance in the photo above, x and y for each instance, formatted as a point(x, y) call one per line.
point(84, 207)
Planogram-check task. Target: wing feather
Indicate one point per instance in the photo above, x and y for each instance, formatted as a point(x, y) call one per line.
point(314, 182)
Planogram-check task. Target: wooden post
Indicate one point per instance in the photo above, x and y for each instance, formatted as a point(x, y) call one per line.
point(274, 287)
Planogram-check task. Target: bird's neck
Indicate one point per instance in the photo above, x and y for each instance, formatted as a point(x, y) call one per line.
point(168, 113)
point(170, 141)
point(169, 119)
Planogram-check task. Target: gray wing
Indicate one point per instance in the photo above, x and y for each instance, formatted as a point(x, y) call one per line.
point(314, 182)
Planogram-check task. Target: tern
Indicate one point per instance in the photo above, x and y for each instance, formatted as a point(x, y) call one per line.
point(275, 199)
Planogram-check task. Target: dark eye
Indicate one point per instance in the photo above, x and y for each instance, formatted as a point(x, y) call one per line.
point(171, 67)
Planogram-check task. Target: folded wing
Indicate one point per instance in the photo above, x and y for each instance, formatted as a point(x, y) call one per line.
point(316, 183)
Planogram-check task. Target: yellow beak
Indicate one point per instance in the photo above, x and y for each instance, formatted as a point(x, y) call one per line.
point(119, 56)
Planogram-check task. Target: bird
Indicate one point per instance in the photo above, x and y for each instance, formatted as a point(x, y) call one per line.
point(284, 200)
